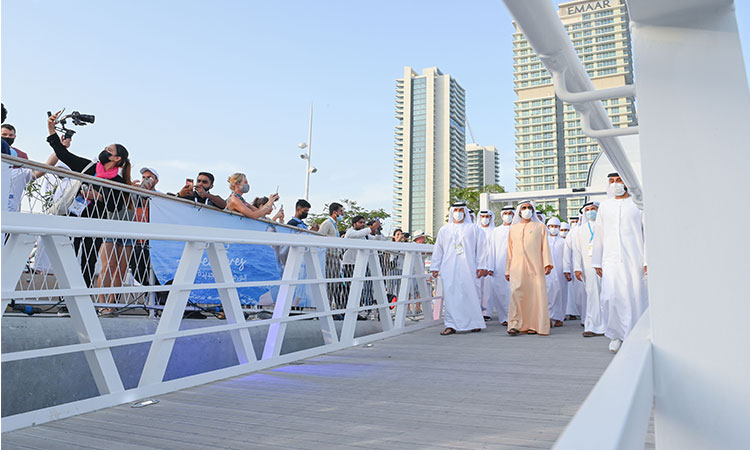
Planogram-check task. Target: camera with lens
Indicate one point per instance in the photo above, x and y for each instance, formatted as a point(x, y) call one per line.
point(77, 118)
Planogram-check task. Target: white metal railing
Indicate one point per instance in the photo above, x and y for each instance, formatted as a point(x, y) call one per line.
point(546, 35)
point(617, 411)
point(104, 265)
point(303, 267)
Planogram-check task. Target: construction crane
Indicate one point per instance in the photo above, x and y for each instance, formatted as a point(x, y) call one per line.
point(471, 133)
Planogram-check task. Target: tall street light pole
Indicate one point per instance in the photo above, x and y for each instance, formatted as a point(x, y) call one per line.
point(308, 145)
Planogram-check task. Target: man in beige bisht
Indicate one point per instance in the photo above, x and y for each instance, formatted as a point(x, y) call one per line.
point(529, 262)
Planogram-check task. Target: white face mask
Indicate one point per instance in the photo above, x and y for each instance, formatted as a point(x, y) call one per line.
point(507, 218)
point(527, 213)
point(554, 231)
point(458, 216)
point(563, 233)
point(485, 221)
point(618, 189)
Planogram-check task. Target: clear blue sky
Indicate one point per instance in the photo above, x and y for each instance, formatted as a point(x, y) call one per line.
point(225, 86)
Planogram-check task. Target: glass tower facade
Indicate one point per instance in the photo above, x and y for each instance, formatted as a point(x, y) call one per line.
point(430, 148)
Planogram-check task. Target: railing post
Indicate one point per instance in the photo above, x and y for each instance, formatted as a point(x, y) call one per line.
point(276, 331)
point(230, 301)
point(355, 295)
point(378, 290)
point(82, 313)
point(16, 253)
point(319, 294)
point(404, 289)
point(424, 291)
point(161, 348)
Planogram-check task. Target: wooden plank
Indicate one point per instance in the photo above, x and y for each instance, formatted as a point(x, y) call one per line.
point(418, 390)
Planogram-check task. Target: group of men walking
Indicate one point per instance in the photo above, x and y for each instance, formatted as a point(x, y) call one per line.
point(534, 274)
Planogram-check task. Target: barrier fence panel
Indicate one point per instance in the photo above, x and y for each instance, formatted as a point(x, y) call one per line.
point(86, 266)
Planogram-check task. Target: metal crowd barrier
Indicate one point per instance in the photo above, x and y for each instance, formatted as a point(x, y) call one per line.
point(45, 268)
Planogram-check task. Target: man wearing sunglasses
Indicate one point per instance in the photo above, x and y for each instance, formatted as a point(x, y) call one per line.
point(199, 192)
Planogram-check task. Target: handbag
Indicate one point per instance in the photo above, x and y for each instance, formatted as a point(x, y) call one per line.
point(60, 207)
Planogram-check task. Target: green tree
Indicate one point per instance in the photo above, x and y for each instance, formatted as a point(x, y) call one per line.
point(548, 210)
point(351, 209)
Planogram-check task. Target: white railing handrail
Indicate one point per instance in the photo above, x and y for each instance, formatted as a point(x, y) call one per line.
point(65, 173)
point(304, 266)
point(45, 224)
point(546, 35)
point(616, 413)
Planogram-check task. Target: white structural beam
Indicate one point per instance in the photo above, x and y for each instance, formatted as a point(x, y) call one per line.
point(486, 199)
point(694, 110)
point(541, 25)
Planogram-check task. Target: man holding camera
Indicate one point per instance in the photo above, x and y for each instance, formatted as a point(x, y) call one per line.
point(199, 191)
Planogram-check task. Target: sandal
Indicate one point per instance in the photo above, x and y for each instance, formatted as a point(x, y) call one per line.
point(513, 332)
point(476, 330)
point(447, 331)
point(531, 332)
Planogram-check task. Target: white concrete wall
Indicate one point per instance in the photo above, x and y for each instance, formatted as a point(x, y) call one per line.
point(694, 112)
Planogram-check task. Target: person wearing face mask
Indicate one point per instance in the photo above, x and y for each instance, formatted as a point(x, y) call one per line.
point(498, 242)
point(236, 202)
point(619, 258)
point(460, 257)
point(484, 284)
point(301, 210)
point(593, 315)
point(556, 283)
point(329, 227)
point(9, 136)
point(97, 202)
point(528, 263)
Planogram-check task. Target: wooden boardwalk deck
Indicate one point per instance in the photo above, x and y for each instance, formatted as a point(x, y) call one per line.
point(418, 390)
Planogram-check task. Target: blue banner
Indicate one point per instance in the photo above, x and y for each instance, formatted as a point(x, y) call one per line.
point(248, 262)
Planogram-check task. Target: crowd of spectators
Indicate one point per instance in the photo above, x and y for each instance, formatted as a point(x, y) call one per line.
point(117, 255)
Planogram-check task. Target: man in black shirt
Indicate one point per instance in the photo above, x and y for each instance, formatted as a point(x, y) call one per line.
point(301, 209)
point(199, 192)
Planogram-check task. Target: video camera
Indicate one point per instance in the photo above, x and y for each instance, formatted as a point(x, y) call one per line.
point(77, 118)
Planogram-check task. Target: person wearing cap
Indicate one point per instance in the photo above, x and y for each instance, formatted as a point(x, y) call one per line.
point(529, 262)
point(484, 285)
point(149, 179)
point(498, 257)
point(140, 260)
point(459, 258)
point(419, 237)
point(594, 317)
point(556, 283)
point(619, 258)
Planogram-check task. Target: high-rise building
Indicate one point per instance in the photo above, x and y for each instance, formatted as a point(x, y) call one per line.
point(482, 166)
point(551, 150)
point(430, 155)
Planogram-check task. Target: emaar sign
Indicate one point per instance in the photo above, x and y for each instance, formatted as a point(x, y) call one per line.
point(577, 9)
